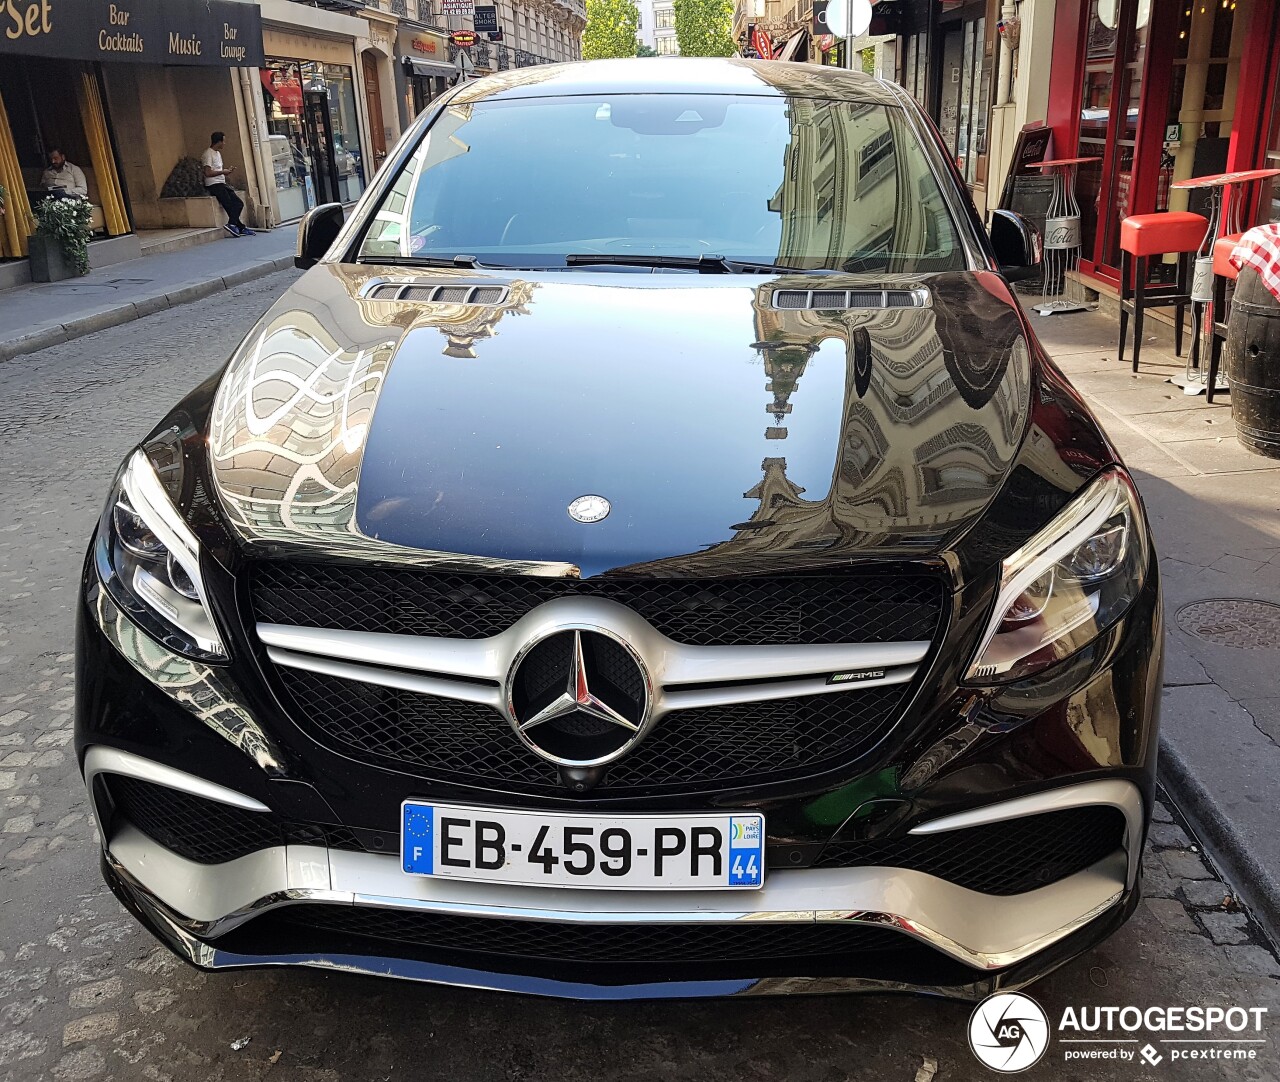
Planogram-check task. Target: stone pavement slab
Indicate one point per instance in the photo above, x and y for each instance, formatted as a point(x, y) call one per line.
point(1215, 512)
point(39, 315)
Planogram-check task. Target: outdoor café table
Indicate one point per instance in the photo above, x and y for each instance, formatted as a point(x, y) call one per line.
point(1192, 381)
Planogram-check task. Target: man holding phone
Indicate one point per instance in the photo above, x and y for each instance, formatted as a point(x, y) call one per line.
point(215, 183)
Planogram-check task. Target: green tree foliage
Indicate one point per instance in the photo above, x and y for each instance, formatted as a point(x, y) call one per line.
point(645, 50)
point(611, 29)
point(704, 27)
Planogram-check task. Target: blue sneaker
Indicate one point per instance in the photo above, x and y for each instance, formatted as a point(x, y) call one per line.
point(245, 231)
point(231, 230)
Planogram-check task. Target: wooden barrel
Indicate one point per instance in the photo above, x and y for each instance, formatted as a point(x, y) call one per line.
point(1252, 356)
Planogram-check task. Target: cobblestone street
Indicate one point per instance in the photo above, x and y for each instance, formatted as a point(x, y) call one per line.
point(85, 993)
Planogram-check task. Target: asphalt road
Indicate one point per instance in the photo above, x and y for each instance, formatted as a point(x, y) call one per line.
point(84, 993)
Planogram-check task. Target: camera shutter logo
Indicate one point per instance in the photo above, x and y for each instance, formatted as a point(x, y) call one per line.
point(1008, 1032)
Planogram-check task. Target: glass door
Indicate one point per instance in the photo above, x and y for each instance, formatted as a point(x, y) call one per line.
point(320, 142)
point(1111, 98)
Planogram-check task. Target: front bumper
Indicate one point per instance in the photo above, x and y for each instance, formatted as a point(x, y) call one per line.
point(147, 714)
point(209, 913)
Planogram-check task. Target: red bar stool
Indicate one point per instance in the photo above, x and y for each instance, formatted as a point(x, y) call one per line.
point(1223, 272)
point(1141, 237)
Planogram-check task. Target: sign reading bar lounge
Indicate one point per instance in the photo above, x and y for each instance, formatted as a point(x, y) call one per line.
point(221, 33)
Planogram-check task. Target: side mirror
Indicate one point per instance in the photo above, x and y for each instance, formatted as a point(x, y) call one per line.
point(316, 234)
point(1017, 243)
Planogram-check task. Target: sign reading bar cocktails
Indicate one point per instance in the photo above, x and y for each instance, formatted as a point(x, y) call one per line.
point(221, 33)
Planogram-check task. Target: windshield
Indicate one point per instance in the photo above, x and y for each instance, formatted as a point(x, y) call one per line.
point(794, 182)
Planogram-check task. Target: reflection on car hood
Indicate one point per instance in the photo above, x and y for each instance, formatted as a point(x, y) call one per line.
point(727, 434)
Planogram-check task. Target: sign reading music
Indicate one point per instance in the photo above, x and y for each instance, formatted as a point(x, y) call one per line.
point(219, 33)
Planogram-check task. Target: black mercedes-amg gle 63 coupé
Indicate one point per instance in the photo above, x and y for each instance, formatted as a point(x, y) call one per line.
point(646, 554)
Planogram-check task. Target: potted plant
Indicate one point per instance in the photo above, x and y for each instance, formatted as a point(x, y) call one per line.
point(60, 245)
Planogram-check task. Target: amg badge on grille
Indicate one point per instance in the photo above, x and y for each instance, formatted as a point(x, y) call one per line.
point(579, 697)
point(589, 509)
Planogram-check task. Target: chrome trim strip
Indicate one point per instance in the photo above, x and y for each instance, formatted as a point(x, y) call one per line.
point(171, 929)
point(100, 759)
point(448, 667)
point(1112, 792)
point(391, 678)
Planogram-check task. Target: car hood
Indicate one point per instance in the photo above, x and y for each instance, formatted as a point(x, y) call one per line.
point(733, 423)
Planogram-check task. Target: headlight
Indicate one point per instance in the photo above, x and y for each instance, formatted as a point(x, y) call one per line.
point(1068, 584)
point(149, 561)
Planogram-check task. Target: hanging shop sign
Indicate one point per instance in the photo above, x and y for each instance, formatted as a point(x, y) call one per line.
point(486, 19)
point(213, 33)
point(464, 39)
point(459, 7)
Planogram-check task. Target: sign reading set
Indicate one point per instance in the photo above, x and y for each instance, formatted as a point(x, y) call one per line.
point(215, 33)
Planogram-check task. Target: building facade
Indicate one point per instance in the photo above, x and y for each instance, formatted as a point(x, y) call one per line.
point(127, 90)
point(1149, 91)
point(530, 32)
point(311, 97)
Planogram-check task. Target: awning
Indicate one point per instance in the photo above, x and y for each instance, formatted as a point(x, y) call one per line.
point(794, 46)
point(430, 67)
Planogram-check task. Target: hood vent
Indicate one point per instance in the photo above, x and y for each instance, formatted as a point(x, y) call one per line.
point(437, 293)
point(832, 300)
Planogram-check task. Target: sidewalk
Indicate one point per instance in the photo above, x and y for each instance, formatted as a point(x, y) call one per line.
point(35, 316)
point(1215, 511)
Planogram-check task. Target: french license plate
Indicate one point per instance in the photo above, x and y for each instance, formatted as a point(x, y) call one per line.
point(535, 848)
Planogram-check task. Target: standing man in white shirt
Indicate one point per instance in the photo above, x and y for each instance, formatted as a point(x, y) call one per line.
point(215, 183)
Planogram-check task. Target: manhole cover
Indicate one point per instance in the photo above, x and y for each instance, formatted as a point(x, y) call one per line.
point(1230, 621)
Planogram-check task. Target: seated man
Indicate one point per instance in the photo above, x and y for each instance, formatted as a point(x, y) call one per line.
point(63, 177)
point(215, 183)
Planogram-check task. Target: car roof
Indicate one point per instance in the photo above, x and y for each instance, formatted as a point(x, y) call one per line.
point(680, 75)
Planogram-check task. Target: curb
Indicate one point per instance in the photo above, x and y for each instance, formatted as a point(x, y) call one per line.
point(1257, 883)
point(104, 318)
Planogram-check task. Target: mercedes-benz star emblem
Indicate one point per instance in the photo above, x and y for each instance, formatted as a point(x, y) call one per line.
point(589, 509)
point(579, 697)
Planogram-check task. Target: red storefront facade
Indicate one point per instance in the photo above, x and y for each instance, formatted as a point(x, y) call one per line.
point(1158, 91)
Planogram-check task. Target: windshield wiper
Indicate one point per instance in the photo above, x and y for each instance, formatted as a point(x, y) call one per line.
point(703, 264)
point(467, 262)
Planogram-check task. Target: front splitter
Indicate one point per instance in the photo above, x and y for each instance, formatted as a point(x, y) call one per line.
point(168, 928)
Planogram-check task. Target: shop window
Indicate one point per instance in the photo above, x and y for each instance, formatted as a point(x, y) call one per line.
point(664, 18)
point(668, 46)
point(316, 155)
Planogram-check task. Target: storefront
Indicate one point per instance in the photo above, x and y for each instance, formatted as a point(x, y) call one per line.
point(65, 76)
point(314, 98)
point(1157, 91)
point(946, 61)
point(424, 59)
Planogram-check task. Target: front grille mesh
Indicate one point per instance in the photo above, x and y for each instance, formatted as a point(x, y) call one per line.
point(616, 943)
point(210, 832)
point(449, 740)
point(742, 611)
point(1008, 857)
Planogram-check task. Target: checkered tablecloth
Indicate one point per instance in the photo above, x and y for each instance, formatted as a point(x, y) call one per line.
point(1259, 249)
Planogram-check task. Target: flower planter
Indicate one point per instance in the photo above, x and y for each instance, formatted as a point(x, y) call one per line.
point(47, 262)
